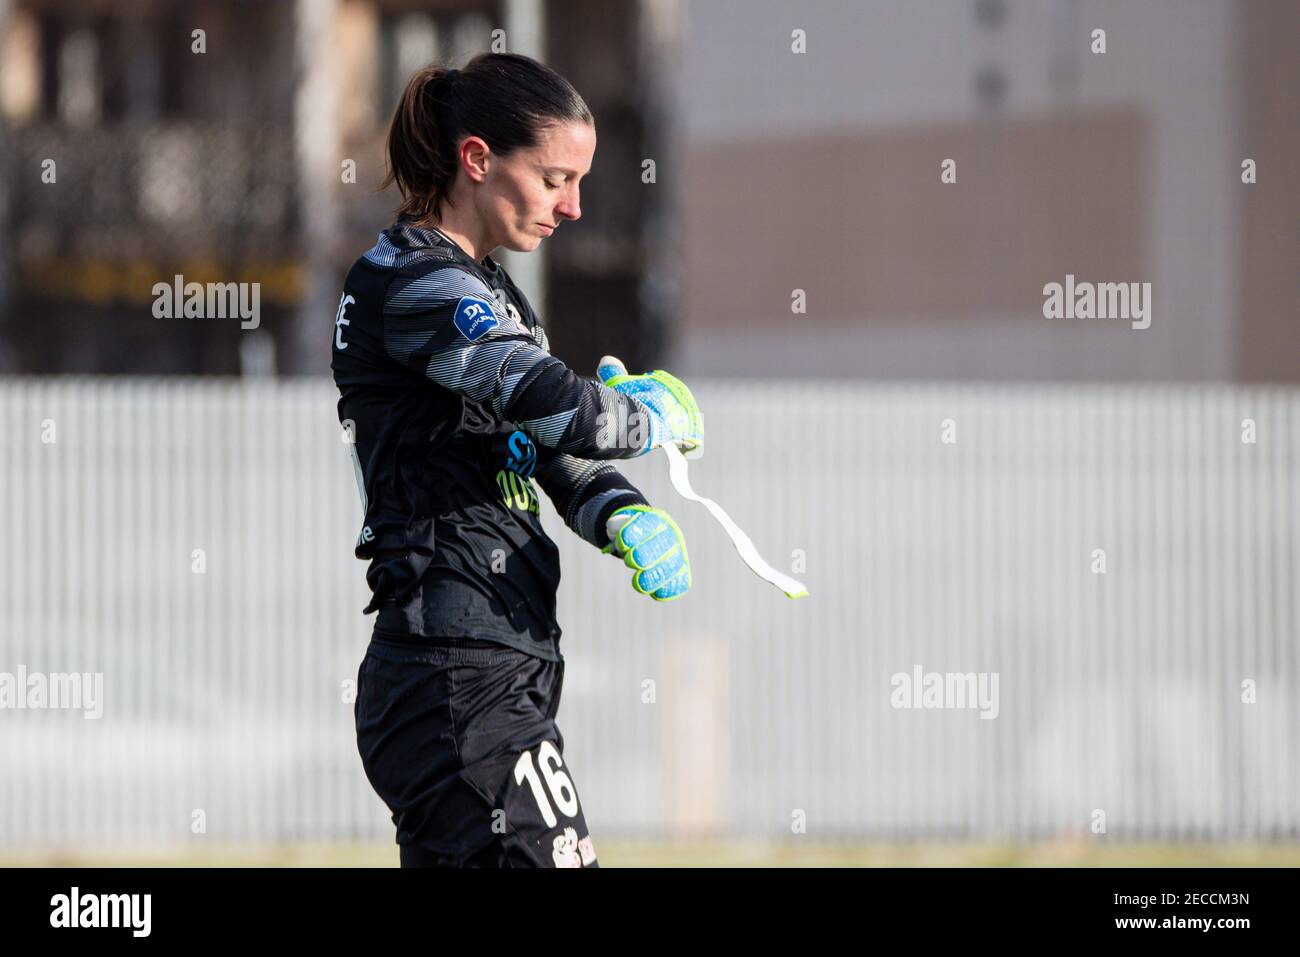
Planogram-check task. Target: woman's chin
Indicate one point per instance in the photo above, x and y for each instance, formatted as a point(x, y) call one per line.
point(523, 244)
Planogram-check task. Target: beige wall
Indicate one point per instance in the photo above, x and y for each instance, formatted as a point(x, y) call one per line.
point(1268, 344)
point(865, 226)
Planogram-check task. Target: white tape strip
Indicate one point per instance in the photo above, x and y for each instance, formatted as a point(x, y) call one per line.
point(678, 472)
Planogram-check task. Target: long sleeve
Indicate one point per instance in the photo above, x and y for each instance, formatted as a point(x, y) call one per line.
point(444, 323)
point(585, 493)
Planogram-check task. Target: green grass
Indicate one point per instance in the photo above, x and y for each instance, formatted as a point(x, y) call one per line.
point(793, 853)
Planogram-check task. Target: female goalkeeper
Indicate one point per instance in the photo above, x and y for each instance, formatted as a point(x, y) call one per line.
point(454, 406)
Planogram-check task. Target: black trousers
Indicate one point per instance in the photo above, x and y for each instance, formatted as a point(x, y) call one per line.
point(459, 739)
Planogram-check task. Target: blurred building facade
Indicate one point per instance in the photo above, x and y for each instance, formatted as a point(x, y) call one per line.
point(132, 157)
point(821, 171)
point(822, 127)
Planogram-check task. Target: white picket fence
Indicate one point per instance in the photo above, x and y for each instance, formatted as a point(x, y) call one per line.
point(191, 541)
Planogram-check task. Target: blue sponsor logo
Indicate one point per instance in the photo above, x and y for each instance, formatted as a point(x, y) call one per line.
point(523, 454)
point(475, 318)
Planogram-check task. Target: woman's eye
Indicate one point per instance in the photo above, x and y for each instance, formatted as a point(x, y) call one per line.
point(550, 185)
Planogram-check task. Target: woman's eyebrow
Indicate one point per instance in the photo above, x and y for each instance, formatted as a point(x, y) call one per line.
point(559, 169)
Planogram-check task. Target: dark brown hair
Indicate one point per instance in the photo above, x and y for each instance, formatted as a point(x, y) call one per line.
point(505, 98)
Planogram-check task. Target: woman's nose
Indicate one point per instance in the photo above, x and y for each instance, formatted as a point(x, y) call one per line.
point(569, 208)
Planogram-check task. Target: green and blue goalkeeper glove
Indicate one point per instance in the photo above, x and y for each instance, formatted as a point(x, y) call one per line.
point(676, 415)
point(650, 542)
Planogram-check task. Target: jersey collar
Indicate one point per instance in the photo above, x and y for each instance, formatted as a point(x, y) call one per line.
point(416, 236)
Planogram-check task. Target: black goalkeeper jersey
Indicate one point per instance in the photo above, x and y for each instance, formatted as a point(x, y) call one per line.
point(454, 406)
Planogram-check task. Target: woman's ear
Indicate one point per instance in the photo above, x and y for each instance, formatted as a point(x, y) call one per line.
point(475, 158)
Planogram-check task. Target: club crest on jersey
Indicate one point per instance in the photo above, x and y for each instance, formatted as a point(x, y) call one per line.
point(475, 317)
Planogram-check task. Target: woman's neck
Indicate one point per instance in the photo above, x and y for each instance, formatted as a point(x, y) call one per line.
point(474, 241)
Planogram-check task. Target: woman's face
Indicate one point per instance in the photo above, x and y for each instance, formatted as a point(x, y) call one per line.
point(530, 192)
